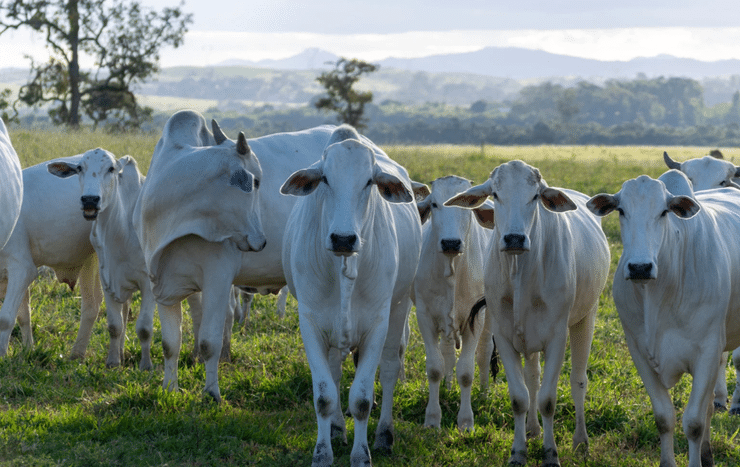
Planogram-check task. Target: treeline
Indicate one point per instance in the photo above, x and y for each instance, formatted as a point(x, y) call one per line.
point(660, 111)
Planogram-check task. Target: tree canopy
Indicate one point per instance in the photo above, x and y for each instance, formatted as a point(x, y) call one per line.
point(121, 37)
point(341, 96)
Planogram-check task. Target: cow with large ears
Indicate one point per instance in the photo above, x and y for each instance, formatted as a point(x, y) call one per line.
point(350, 253)
point(548, 262)
point(448, 282)
point(677, 292)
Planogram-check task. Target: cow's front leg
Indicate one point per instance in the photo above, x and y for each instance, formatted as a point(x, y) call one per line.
point(170, 318)
point(548, 396)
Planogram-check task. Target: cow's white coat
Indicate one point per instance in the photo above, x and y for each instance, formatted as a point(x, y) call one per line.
point(677, 291)
point(50, 232)
point(448, 282)
point(351, 249)
point(11, 186)
point(547, 265)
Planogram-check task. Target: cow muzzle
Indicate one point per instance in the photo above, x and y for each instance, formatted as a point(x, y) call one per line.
point(515, 244)
point(640, 272)
point(343, 245)
point(90, 207)
point(451, 246)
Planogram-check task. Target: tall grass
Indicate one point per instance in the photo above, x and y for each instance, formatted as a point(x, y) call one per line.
point(54, 411)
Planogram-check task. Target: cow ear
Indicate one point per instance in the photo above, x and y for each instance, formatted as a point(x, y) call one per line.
point(420, 190)
point(303, 182)
point(242, 179)
point(123, 162)
point(556, 201)
point(484, 214)
point(425, 208)
point(602, 204)
point(391, 188)
point(683, 206)
point(471, 198)
point(62, 169)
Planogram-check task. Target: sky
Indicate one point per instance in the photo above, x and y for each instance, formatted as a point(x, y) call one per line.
point(377, 29)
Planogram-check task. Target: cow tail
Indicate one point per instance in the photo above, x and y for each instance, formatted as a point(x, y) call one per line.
point(474, 312)
point(494, 360)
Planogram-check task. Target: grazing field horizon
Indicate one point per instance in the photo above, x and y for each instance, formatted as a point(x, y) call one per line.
point(60, 412)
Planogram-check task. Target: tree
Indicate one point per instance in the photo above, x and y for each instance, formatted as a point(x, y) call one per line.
point(342, 98)
point(121, 37)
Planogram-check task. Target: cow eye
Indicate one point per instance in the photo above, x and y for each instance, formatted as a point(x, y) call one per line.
point(434, 205)
point(323, 179)
point(256, 184)
point(535, 197)
point(111, 169)
point(369, 182)
point(619, 210)
point(495, 196)
point(723, 183)
point(662, 214)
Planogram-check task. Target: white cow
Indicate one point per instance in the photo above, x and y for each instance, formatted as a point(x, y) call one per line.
point(548, 263)
point(448, 282)
point(350, 252)
point(49, 232)
point(677, 291)
point(707, 173)
point(11, 186)
point(197, 210)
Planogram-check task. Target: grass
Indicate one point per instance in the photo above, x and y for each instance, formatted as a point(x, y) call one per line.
point(57, 412)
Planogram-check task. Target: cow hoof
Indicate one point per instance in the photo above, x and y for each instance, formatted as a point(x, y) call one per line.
point(384, 441)
point(518, 458)
point(339, 432)
point(551, 458)
point(735, 411)
point(720, 407)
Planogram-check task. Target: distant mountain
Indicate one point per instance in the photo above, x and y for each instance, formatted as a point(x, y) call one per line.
point(309, 59)
point(519, 63)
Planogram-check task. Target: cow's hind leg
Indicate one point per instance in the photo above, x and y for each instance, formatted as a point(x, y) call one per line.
point(170, 318)
point(15, 306)
point(91, 297)
point(735, 406)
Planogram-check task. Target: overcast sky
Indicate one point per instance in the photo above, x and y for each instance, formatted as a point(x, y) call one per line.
point(377, 29)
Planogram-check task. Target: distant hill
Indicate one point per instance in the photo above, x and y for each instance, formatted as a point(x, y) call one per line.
point(518, 63)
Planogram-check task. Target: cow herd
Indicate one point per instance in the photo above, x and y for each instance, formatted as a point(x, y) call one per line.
point(512, 263)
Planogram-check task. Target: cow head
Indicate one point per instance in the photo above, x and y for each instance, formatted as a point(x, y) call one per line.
point(344, 179)
point(517, 190)
point(99, 173)
point(644, 206)
point(706, 172)
point(241, 170)
point(450, 225)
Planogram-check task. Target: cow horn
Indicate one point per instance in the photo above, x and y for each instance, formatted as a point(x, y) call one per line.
point(242, 147)
point(218, 135)
point(670, 162)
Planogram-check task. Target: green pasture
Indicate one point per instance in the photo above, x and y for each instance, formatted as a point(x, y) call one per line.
point(57, 412)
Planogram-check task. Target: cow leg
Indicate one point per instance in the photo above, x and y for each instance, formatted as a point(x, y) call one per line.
point(466, 373)
point(735, 406)
point(91, 297)
point(484, 351)
point(519, 396)
point(170, 318)
point(695, 418)
point(361, 394)
point(195, 303)
point(547, 398)
point(435, 364)
point(660, 398)
point(532, 380)
point(325, 395)
point(338, 425)
point(116, 330)
point(20, 275)
point(720, 387)
point(450, 359)
point(282, 302)
point(581, 337)
point(225, 355)
point(145, 326)
point(390, 366)
point(216, 292)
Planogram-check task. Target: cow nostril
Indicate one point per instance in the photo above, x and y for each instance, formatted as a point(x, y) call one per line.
point(90, 200)
point(453, 245)
point(514, 240)
point(343, 243)
point(640, 270)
